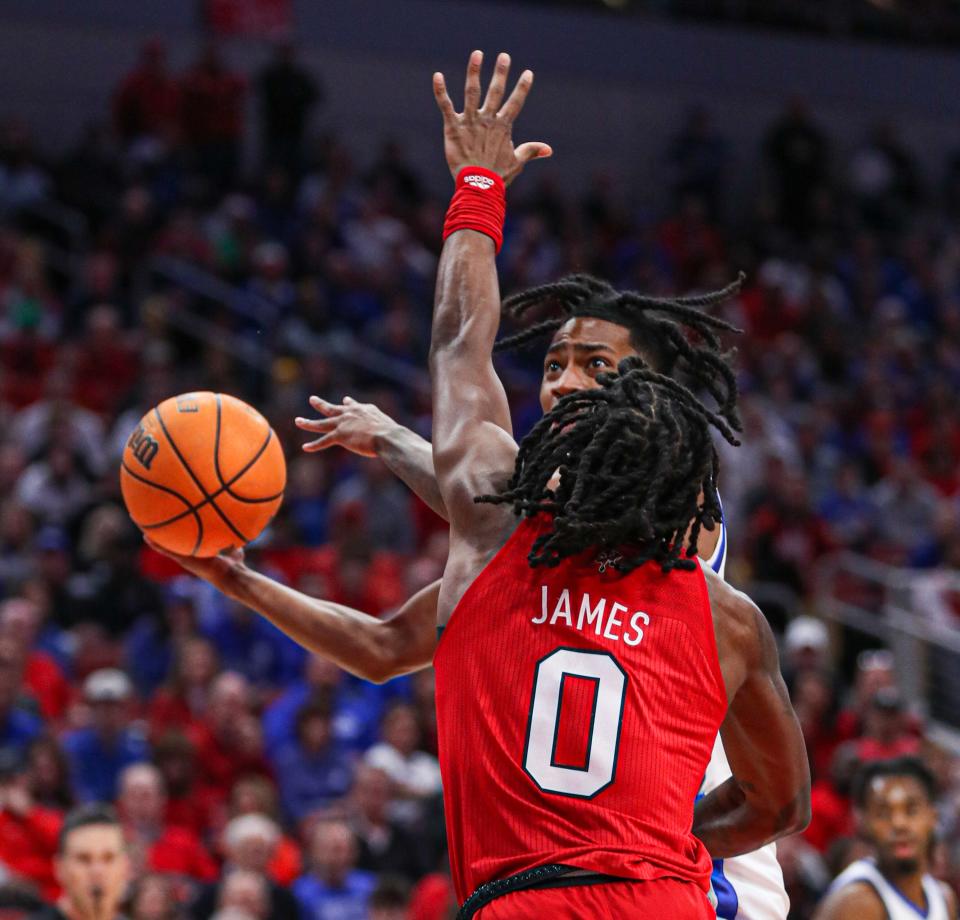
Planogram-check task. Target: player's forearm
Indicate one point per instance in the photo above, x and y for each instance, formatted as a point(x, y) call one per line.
point(410, 458)
point(359, 643)
point(466, 312)
point(730, 822)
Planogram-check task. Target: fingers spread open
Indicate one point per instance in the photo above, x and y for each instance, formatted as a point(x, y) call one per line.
point(327, 408)
point(443, 100)
point(471, 92)
point(513, 105)
point(498, 84)
point(315, 424)
point(328, 440)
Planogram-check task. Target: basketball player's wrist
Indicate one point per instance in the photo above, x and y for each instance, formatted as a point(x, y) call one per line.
point(479, 203)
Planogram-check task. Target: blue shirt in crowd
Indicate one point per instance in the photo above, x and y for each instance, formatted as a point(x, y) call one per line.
point(95, 767)
point(357, 709)
point(320, 901)
point(311, 781)
point(17, 729)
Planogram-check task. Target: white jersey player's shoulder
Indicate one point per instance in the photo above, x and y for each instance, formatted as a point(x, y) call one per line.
point(897, 905)
point(748, 887)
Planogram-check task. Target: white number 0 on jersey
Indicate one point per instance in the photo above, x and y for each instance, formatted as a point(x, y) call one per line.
point(603, 742)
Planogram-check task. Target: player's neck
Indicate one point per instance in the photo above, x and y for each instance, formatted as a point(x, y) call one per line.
point(909, 884)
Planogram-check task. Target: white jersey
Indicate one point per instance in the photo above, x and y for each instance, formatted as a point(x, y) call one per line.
point(897, 904)
point(748, 887)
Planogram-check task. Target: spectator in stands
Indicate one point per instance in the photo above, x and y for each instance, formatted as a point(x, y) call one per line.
point(390, 899)
point(288, 94)
point(98, 754)
point(18, 725)
point(92, 867)
point(357, 706)
point(190, 803)
point(20, 619)
point(212, 117)
point(245, 892)
point(182, 701)
point(697, 157)
point(415, 774)
point(228, 740)
point(153, 898)
point(797, 153)
point(250, 645)
point(384, 845)
point(886, 731)
point(386, 503)
point(831, 806)
point(155, 844)
point(48, 773)
point(54, 489)
point(256, 795)
point(315, 769)
point(249, 845)
point(28, 831)
point(334, 889)
point(146, 104)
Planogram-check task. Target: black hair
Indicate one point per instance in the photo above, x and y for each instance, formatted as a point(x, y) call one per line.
point(901, 766)
point(675, 336)
point(391, 891)
point(317, 707)
point(94, 814)
point(634, 456)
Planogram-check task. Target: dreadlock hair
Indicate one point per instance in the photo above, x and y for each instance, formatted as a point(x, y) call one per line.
point(675, 335)
point(634, 456)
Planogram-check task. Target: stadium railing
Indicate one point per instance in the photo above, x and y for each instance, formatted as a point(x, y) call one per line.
point(914, 613)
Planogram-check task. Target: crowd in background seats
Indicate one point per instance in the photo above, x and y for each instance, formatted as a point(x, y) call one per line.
point(251, 777)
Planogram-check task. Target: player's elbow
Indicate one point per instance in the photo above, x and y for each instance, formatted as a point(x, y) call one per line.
point(794, 817)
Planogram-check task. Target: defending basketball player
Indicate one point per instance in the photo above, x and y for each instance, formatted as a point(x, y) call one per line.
point(572, 636)
point(895, 811)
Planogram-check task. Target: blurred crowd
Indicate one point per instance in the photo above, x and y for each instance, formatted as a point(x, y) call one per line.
point(253, 779)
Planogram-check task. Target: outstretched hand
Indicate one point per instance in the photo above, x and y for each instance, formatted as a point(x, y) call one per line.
point(482, 135)
point(218, 570)
point(352, 425)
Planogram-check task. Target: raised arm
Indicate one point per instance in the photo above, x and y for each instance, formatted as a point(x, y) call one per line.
point(374, 649)
point(768, 796)
point(473, 446)
point(365, 430)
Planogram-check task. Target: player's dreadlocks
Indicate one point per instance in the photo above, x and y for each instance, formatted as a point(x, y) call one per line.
point(634, 456)
point(658, 327)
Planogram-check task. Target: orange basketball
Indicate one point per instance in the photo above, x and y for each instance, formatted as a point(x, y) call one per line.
point(202, 472)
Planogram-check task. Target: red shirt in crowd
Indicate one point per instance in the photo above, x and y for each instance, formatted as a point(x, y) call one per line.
point(180, 852)
point(28, 845)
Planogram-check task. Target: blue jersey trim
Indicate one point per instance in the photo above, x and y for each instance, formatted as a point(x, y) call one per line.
point(916, 908)
point(727, 901)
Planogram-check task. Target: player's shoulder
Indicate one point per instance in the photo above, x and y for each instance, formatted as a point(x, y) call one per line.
point(733, 611)
point(855, 900)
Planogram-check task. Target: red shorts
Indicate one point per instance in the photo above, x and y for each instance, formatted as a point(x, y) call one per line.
point(660, 899)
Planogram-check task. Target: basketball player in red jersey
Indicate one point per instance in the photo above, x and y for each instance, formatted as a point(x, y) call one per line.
point(588, 662)
point(400, 644)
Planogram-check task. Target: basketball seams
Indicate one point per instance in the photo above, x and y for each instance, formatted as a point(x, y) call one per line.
point(196, 480)
point(155, 485)
point(217, 494)
point(225, 484)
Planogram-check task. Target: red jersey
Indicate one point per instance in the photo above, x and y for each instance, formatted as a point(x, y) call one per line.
point(577, 711)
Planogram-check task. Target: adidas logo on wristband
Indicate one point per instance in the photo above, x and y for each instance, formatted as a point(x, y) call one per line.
point(480, 182)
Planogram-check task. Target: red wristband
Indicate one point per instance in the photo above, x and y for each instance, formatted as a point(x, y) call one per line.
point(479, 203)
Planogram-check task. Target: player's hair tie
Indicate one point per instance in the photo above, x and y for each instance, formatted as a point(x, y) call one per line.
point(479, 203)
